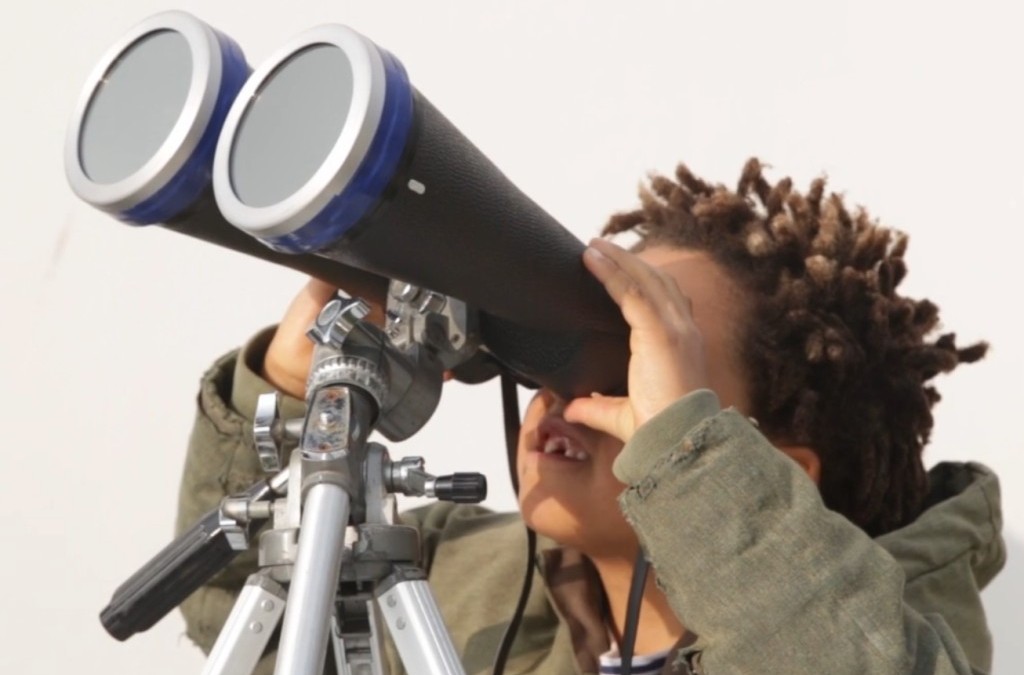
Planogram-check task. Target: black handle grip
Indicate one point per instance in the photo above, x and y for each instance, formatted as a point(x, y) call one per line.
point(172, 575)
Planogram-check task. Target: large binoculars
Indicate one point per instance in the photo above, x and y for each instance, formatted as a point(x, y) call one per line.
point(327, 160)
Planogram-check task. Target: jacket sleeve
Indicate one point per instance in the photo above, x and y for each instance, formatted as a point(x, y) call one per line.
point(754, 564)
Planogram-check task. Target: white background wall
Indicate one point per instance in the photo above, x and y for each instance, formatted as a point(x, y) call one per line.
point(913, 109)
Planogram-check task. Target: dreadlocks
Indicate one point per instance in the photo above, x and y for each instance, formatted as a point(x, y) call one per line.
point(836, 359)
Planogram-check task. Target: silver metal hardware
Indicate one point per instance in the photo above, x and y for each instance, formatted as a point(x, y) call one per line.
point(263, 433)
point(417, 315)
point(336, 319)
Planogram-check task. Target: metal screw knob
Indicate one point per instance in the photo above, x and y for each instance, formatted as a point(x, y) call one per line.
point(336, 319)
point(462, 488)
point(404, 292)
point(263, 433)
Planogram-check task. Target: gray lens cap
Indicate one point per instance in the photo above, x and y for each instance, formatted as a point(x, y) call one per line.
point(291, 125)
point(135, 106)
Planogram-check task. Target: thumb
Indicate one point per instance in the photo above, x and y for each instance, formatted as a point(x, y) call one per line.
point(609, 414)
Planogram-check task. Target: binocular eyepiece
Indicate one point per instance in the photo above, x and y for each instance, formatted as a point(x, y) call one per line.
point(326, 159)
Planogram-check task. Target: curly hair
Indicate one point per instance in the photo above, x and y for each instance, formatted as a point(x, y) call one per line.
point(836, 359)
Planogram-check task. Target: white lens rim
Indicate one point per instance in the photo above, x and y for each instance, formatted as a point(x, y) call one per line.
point(350, 148)
point(181, 142)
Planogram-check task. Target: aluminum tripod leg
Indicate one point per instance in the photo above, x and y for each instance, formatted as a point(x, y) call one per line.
point(248, 629)
point(314, 582)
point(415, 624)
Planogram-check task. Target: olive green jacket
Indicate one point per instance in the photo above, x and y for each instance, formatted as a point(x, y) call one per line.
point(748, 556)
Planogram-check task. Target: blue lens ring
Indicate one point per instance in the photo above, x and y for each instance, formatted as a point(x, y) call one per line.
point(374, 174)
point(188, 184)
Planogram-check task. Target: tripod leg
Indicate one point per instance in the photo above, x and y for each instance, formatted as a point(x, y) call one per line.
point(415, 624)
point(248, 629)
point(314, 584)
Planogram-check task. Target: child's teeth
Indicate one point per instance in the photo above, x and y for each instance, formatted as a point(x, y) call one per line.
point(554, 445)
point(561, 445)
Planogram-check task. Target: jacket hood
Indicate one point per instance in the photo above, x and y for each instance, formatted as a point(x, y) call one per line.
point(952, 551)
point(963, 518)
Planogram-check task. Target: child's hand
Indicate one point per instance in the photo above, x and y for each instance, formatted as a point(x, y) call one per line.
point(290, 354)
point(667, 352)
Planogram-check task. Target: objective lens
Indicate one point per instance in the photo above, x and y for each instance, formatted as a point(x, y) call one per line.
point(141, 141)
point(291, 125)
point(312, 139)
point(135, 106)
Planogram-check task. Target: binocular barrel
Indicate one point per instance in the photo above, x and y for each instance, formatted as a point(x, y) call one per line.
point(142, 139)
point(330, 149)
point(327, 160)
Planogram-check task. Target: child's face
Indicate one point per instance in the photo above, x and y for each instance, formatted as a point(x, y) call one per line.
point(570, 495)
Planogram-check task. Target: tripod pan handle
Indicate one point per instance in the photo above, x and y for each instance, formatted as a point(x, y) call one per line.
point(172, 575)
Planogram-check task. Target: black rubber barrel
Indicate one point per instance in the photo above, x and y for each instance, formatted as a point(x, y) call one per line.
point(469, 232)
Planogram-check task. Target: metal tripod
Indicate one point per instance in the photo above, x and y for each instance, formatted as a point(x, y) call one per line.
point(332, 587)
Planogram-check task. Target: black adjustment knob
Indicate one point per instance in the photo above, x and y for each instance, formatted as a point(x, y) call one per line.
point(461, 488)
